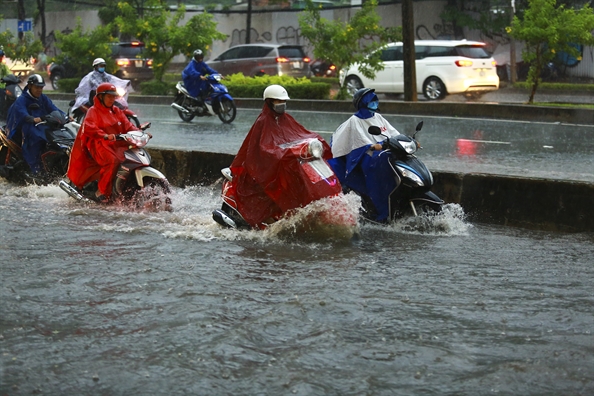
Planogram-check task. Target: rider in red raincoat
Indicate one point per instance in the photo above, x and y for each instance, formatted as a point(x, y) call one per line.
point(96, 155)
point(258, 169)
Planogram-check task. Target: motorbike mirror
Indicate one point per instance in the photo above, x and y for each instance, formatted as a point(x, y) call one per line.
point(374, 130)
point(418, 128)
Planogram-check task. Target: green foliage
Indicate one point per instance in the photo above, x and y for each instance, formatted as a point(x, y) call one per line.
point(162, 34)
point(21, 50)
point(80, 48)
point(241, 86)
point(68, 85)
point(548, 29)
point(155, 87)
point(480, 18)
point(343, 44)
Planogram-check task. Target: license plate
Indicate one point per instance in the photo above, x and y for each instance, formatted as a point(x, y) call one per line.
point(296, 65)
point(138, 63)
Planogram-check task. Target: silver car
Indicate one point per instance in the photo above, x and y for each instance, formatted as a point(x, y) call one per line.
point(263, 59)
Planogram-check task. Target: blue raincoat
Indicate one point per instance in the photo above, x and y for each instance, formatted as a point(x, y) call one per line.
point(22, 127)
point(191, 77)
point(357, 166)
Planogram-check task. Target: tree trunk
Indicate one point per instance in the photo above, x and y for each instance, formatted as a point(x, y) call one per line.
point(408, 45)
point(41, 9)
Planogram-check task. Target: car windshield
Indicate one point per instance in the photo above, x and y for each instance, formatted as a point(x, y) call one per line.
point(472, 51)
point(290, 52)
point(127, 51)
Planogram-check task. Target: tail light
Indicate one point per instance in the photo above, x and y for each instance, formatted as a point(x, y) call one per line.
point(123, 62)
point(306, 60)
point(332, 67)
point(282, 59)
point(149, 62)
point(494, 63)
point(463, 63)
point(135, 43)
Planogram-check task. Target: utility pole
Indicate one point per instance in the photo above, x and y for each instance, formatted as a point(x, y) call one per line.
point(21, 16)
point(249, 22)
point(408, 46)
point(512, 49)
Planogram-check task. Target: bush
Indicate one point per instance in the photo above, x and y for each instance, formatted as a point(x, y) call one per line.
point(253, 87)
point(155, 87)
point(68, 85)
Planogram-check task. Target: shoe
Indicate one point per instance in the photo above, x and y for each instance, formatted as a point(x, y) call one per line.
point(100, 198)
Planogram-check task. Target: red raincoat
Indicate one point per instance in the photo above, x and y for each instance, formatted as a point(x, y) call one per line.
point(93, 157)
point(262, 169)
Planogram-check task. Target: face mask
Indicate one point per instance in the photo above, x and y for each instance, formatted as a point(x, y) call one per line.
point(373, 105)
point(279, 107)
point(101, 69)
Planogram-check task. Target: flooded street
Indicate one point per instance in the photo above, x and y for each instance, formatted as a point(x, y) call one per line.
point(99, 300)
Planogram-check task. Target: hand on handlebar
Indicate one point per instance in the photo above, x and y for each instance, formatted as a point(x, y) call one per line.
point(111, 137)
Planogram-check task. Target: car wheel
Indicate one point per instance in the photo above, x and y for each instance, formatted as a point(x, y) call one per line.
point(353, 84)
point(434, 89)
point(55, 80)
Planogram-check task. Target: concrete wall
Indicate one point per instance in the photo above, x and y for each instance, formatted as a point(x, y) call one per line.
point(510, 201)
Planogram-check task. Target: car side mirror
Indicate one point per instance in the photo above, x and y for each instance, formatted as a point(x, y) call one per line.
point(374, 130)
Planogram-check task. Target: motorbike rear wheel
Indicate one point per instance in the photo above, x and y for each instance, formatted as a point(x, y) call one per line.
point(227, 110)
point(186, 117)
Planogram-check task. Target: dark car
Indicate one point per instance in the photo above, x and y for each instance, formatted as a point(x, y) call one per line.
point(129, 59)
point(263, 59)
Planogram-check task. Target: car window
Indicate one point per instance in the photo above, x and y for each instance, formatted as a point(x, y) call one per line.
point(473, 51)
point(127, 52)
point(291, 52)
point(435, 51)
point(392, 54)
point(420, 51)
point(232, 53)
point(256, 52)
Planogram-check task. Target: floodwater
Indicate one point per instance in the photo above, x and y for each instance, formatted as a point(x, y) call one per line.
point(107, 301)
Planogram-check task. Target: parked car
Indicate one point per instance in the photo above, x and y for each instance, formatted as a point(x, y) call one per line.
point(263, 59)
point(442, 67)
point(128, 56)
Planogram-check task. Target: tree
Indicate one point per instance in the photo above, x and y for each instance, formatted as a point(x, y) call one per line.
point(163, 36)
point(79, 47)
point(20, 49)
point(343, 44)
point(548, 29)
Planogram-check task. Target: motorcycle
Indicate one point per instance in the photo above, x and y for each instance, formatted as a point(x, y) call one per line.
point(79, 113)
point(135, 182)
point(218, 101)
point(322, 68)
point(307, 181)
point(60, 138)
point(11, 91)
point(413, 180)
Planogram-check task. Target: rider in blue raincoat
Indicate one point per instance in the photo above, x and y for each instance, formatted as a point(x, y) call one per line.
point(358, 161)
point(24, 115)
point(194, 75)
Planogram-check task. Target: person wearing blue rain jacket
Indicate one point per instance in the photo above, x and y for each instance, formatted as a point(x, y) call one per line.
point(194, 75)
point(24, 116)
point(359, 162)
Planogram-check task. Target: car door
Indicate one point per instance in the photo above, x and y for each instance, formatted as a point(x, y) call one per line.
point(226, 63)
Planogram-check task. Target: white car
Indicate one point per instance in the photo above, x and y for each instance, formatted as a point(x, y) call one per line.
point(442, 67)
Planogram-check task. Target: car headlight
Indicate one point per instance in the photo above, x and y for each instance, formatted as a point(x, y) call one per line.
point(407, 173)
point(316, 149)
point(409, 147)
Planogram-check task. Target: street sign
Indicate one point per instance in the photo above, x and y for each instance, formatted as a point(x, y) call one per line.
point(24, 26)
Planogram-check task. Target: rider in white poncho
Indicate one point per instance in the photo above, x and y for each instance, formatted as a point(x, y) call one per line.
point(91, 81)
point(357, 161)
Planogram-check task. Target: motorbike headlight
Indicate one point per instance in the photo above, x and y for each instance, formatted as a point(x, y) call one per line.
point(409, 147)
point(407, 173)
point(316, 149)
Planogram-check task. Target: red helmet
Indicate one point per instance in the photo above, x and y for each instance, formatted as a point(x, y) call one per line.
point(107, 88)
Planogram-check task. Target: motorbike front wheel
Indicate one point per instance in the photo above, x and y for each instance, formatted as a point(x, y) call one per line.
point(154, 196)
point(186, 117)
point(227, 110)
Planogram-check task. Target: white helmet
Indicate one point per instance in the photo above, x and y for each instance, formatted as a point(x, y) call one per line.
point(276, 92)
point(98, 61)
